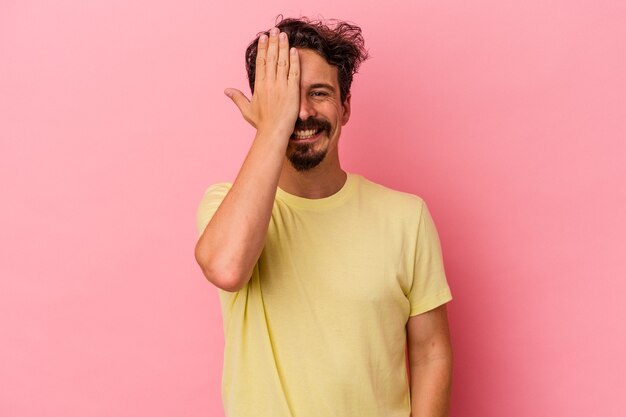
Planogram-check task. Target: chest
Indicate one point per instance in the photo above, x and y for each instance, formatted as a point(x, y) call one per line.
point(349, 260)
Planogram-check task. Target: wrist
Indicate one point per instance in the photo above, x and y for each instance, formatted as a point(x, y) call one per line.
point(274, 134)
point(272, 140)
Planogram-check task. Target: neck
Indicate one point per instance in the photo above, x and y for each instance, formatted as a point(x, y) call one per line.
point(322, 181)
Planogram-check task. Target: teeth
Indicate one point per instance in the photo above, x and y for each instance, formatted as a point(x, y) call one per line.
point(301, 134)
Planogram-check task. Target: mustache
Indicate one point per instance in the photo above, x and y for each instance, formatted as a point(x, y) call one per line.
point(312, 124)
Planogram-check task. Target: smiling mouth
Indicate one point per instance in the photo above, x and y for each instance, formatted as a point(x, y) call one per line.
point(305, 133)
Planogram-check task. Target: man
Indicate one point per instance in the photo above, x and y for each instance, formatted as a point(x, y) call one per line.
point(323, 276)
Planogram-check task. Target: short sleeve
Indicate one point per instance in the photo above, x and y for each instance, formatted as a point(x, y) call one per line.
point(209, 203)
point(429, 288)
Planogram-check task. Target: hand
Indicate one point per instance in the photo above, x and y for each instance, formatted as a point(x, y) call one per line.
point(276, 98)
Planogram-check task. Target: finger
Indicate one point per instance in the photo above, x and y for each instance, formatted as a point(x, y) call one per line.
point(293, 79)
point(240, 100)
point(260, 59)
point(272, 55)
point(283, 58)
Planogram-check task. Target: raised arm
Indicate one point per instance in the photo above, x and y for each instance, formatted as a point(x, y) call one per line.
point(233, 240)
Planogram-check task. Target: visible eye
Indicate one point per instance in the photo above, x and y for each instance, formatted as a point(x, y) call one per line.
point(319, 94)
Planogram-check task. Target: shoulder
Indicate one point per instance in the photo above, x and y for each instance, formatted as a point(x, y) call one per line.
point(211, 199)
point(218, 187)
point(388, 197)
point(213, 195)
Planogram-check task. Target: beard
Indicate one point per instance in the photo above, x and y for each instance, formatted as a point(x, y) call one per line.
point(304, 156)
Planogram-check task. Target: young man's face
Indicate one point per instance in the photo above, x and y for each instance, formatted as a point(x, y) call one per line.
point(321, 113)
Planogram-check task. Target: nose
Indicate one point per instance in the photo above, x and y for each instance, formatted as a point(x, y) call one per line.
point(306, 108)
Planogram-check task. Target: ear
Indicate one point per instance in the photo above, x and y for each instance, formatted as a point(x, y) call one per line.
point(346, 110)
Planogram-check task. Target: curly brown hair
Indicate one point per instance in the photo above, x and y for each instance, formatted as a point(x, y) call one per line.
point(340, 44)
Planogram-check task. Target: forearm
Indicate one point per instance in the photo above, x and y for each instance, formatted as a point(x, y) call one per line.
point(233, 240)
point(431, 383)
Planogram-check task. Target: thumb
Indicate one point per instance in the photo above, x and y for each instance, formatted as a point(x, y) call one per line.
point(237, 97)
point(242, 102)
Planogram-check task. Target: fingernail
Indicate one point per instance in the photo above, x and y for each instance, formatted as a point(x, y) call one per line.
point(274, 31)
point(263, 38)
point(283, 36)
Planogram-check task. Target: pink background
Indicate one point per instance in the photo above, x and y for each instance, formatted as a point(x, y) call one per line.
point(508, 119)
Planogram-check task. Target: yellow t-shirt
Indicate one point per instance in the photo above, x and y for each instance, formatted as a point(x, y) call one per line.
point(320, 328)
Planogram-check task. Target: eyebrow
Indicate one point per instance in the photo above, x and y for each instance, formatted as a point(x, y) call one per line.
point(322, 85)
